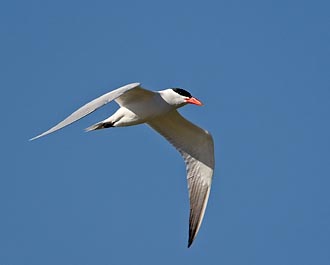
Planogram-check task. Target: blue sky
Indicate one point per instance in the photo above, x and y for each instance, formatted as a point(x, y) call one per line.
point(119, 196)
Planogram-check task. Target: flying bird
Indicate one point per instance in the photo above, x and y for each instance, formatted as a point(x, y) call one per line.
point(158, 109)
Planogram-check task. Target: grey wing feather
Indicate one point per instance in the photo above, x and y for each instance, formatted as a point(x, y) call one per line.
point(89, 108)
point(196, 147)
point(137, 95)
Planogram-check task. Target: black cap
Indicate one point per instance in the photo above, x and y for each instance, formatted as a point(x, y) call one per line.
point(182, 92)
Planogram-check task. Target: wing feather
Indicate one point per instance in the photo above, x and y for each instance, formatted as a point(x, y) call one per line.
point(197, 148)
point(90, 107)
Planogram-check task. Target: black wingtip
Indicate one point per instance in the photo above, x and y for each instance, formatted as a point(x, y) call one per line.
point(191, 238)
point(189, 244)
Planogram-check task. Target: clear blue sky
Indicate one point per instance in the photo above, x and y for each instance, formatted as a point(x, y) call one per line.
point(119, 196)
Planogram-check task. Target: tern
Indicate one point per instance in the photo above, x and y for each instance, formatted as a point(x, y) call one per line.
point(158, 109)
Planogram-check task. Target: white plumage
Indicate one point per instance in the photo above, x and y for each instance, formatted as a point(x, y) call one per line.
point(159, 110)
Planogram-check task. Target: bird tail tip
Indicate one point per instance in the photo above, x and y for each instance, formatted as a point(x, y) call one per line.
point(99, 126)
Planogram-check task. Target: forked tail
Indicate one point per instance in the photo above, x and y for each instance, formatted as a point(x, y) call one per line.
point(99, 126)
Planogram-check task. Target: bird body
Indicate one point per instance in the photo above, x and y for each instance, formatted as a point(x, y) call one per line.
point(159, 110)
point(141, 106)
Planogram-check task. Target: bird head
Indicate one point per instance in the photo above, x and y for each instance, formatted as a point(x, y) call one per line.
point(180, 97)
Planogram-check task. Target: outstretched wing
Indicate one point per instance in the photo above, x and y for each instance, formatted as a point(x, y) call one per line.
point(91, 106)
point(196, 147)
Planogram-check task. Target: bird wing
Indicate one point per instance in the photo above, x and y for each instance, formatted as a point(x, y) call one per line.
point(125, 91)
point(137, 95)
point(196, 147)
